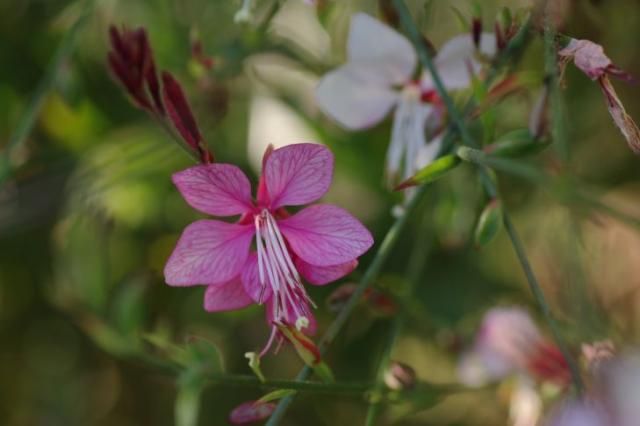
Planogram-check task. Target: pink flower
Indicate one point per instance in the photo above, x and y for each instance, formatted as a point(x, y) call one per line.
point(379, 77)
point(320, 243)
point(590, 58)
point(611, 400)
point(251, 412)
point(509, 342)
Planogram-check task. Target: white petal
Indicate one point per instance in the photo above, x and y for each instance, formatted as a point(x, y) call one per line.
point(457, 58)
point(384, 50)
point(429, 152)
point(349, 96)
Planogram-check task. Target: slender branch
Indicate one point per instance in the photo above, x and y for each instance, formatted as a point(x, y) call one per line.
point(558, 186)
point(371, 273)
point(488, 184)
point(26, 123)
point(414, 270)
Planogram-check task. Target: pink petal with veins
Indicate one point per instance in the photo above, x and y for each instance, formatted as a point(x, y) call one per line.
point(215, 189)
point(208, 252)
point(297, 174)
point(321, 275)
point(251, 280)
point(226, 297)
point(325, 235)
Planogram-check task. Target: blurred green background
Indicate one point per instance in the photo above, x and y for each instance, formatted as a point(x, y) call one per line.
point(88, 214)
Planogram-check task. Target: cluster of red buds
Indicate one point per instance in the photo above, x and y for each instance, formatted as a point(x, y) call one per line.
point(132, 64)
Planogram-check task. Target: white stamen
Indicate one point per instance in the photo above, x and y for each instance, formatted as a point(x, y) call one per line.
point(277, 270)
point(407, 136)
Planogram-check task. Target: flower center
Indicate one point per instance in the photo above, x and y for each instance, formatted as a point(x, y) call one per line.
point(276, 270)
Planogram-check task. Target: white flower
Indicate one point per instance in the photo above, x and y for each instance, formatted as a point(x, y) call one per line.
point(379, 76)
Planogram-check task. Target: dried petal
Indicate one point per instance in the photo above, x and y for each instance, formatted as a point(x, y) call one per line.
point(620, 117)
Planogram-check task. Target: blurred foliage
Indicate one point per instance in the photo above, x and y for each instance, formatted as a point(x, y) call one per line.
point(89, 215)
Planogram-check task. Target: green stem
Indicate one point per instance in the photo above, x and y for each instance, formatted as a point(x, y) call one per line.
point(582, 196)
point(414, 269)
point(371, 273)
point(26, 123)
point(558, 110)
point(489, 185)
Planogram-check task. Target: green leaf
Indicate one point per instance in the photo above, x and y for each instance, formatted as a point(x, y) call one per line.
point(323, 371)
point(432, 172)
point(489, 224)
point(277, 394)
point(517, 143)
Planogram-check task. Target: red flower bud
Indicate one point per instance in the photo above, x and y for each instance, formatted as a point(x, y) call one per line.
point(181, 116)
point(131, 62)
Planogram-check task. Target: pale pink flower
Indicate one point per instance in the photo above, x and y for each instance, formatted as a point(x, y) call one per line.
point(508, 343)
point(320, 243)
point(577, 412)
point(379, 76)
point(590, 58)
point(611, 400)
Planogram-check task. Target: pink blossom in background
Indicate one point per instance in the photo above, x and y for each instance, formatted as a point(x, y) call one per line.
point(509, 343)
point(590, 58)
point(610, 400)
point(379, 77)
point(320, 243)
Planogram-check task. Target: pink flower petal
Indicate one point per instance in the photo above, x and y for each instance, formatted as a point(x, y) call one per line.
point(251, 412)
point(320, 275)
point(251, 281)
point(208, 252)
point(353, 97)
point(588, 56)
point(226, 297)
point(325, 235)
point(215, 189)
point(298, 174)
point(380, 48)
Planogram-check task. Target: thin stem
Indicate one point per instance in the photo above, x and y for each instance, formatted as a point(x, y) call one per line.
point(558, 111)
point(582, 196)
point(371, 273)
point(414, 269)
point(489, 185)
point(26, 123)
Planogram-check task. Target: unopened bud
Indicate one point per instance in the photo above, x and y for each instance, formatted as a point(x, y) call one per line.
point(489, 224)
point(432, 172)
point(400, 376)
point(376, 300)
point(304, 346)
point(538, 120)
point(251, 412)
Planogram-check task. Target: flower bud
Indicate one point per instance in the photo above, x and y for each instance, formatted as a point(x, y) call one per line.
point(431, 172)
point(399, 376)
point(250, 412)
point(489, 223)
